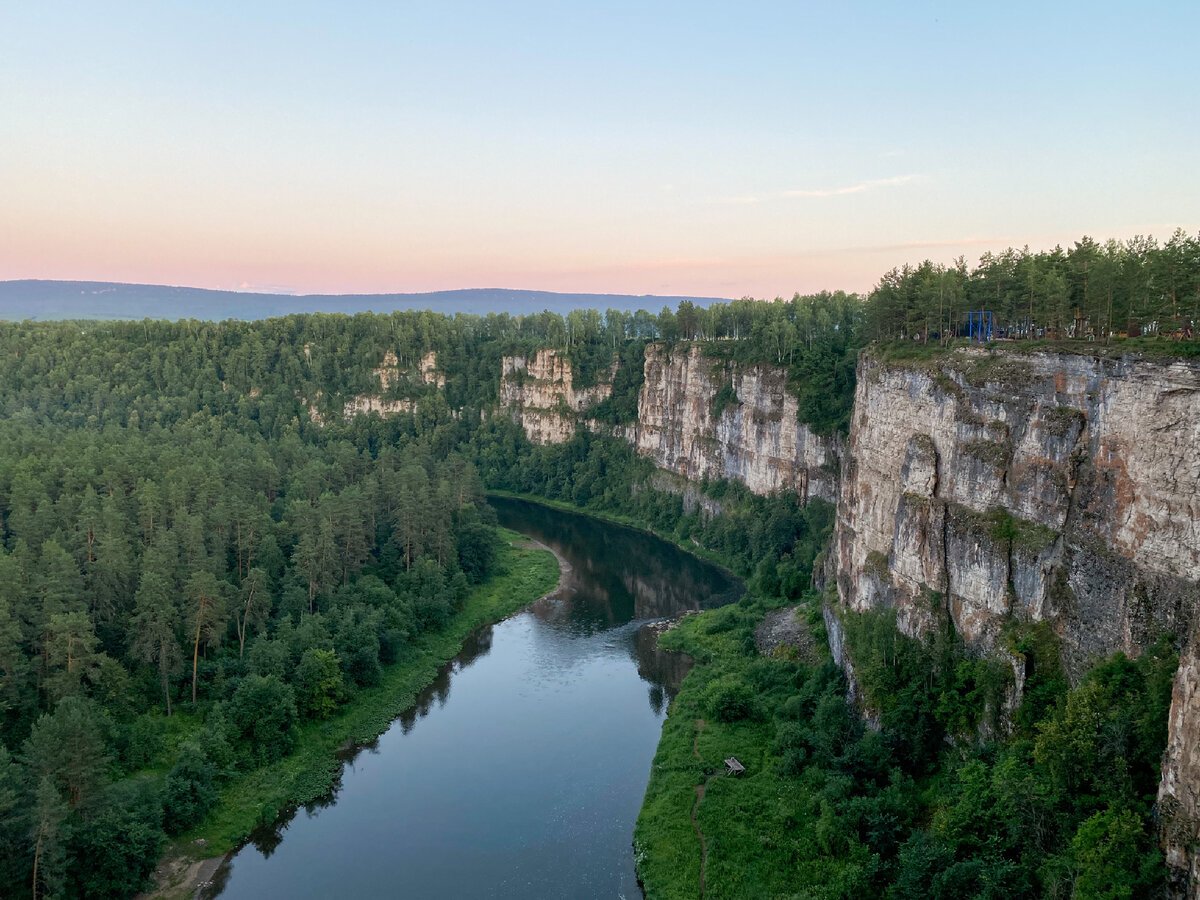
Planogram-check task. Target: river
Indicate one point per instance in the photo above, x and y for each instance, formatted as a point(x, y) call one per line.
point(521, 769)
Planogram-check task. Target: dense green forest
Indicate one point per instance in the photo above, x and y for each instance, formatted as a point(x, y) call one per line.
point(193, 573)
point(200, 557)
point(1088, 291)
point(269, 375)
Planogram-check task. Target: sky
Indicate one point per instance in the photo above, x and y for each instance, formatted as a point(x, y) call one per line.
point(749, 149)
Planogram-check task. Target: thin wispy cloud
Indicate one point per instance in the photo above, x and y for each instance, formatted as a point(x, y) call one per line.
point(860, 187)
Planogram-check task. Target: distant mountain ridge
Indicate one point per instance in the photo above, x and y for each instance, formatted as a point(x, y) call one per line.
point(37, 299)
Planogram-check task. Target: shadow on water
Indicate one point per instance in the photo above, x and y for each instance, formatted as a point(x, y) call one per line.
point(621, 586)
point(626, 574)
point(266, 838)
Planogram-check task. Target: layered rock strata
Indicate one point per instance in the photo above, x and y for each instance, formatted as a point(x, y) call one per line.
point(698, 417)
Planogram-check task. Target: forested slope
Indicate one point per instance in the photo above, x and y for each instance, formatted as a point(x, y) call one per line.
point(191, 572)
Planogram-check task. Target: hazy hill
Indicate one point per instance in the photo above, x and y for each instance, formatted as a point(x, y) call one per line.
point(31, 299)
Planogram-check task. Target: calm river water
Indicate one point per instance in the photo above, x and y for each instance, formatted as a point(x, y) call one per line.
point(521, 770)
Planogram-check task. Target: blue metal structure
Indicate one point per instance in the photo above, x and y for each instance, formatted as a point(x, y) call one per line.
point(981, 325)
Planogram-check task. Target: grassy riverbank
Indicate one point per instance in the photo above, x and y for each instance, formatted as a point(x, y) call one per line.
point(258, 796)
point(700, 832)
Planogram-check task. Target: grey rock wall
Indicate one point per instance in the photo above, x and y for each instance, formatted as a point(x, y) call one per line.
point(755, 437)
point(1036, 487)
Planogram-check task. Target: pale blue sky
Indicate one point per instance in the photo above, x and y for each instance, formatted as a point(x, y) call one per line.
point(756, 148)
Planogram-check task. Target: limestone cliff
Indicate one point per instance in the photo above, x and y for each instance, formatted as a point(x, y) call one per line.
point(1179, 790)
point(391, 374)
point(1038, 487)
point(990, 487)
point(698, 417)
point(701, 417)
point(540, 393)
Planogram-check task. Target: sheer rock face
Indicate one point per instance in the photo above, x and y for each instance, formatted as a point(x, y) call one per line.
point(428, 369)
point(390, 373)
point(755, 437)
point(540, 393)
point(1039, 487)
point(365, 404)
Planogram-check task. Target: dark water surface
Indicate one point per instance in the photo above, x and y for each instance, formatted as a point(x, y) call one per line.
point(522, 768)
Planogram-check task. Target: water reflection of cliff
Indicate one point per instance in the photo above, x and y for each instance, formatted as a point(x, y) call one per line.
point(663, 669)
point(618, 574)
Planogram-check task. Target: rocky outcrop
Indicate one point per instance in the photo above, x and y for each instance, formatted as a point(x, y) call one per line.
point(692, 495)
point(540, 393)
point(1040, 486)
point(701, 417)
point(785, 633)
point(997, 487)
point(364, 404)
point(1179, 790)
point(427, 369)
point(393, 379)
point(391, 374)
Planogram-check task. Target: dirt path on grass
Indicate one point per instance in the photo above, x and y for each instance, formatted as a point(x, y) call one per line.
point(700, 791)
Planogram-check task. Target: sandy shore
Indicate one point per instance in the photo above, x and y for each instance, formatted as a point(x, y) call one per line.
point(564, 567)
point(179, 877)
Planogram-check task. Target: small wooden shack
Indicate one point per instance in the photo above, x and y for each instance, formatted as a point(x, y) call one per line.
point(733, 767)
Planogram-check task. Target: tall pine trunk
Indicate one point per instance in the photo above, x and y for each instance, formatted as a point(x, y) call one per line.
point(195, 659)
point(166, 683)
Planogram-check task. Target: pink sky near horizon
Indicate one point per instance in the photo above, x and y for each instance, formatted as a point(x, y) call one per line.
point(337, 268)
point(616, 148)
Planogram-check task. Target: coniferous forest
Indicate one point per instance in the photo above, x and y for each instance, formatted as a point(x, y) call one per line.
point(200, 555)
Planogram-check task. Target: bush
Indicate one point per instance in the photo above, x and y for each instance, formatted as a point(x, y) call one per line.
point(262, 716)
point(731, 700)
point(318, 683)
point(141, 741)
point(358, 647)
point(189, 791)
point(476, 546)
